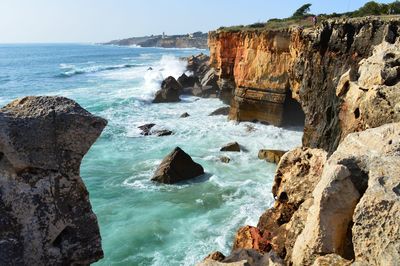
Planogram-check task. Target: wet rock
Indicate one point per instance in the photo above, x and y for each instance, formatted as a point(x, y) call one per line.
point(187, 81)
point(221, 111)
point(162, 132)
point(177, 166)
point(233, 146)
point(146, 128)
point(184, 115)
point(46, 217)
point(225, 159)
point(169, 92)
point(272, 156)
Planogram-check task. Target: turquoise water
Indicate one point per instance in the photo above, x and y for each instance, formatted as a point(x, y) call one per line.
point(143, 223)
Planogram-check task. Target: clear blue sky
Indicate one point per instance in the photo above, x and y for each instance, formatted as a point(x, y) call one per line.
point(103, 20)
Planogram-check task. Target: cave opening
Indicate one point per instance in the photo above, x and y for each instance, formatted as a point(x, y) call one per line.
point(293, 114)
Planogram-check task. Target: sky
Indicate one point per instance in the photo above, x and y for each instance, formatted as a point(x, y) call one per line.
point(88, 21)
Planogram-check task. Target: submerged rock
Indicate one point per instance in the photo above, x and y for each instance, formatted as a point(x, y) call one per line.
point(221, 111)
point(169, 92)
point(233, 146)
point(272, 156)
point(225, 159)
point(162, 132)
point(46, 217)
point(177, 166)
point(146, 129)
point(184, 115)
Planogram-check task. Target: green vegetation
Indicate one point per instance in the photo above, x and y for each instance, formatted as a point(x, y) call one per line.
point(302, 18)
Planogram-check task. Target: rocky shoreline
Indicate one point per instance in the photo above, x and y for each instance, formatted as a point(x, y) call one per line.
point(337, 198)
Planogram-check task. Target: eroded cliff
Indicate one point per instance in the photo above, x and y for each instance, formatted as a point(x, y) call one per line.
point(265, 70)
point(46, 217)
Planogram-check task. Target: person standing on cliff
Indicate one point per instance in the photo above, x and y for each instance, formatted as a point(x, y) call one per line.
point(315, 20)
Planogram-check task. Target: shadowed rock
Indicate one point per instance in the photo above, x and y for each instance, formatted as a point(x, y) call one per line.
point(233, 146)
point(177, 166)
point(221, 111)
point(46, 217)
point(169, 92)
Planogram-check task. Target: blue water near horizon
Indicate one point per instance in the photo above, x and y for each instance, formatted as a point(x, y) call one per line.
point(141, 222)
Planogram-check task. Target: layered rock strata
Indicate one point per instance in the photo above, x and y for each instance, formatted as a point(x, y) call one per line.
point(268, 71)
point(46, 217)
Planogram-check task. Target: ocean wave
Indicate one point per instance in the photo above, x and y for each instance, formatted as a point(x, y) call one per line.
point(71, 70)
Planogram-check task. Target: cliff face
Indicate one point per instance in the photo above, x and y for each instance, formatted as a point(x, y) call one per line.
point(46, 217)
point(266, 70)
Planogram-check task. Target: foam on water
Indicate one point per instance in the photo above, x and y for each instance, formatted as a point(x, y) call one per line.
point(141, 222)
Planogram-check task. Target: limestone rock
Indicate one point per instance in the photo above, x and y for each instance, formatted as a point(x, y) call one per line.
point(249, 237)
point(217, 256)
point(232, 146)
point(357, 193)
point(177, 166)
point(221, 111)
point(272, 156)
point(297, 175)
point(169, 92)
point(46, 217)
point(210, 262)
point(331, 259)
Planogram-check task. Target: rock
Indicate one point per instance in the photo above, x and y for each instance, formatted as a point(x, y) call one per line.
point(233, 146)
point(250, 128)
point(357, 193)
point(217, 256)
point(253, 258)
point(184, 115)
point(331, 259)
point(198, 65)
point(221, 111)
point(177, 166)
point(225, 159)
point(162, 132)
point(249, 237)
point(297, 174)
point(210, 262)
point(272, 156)
point(169, 92)
point(186, 81)
point(210, 79)
point(146, 129)
point(46, 217)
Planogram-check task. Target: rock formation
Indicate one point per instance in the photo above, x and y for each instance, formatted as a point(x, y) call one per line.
point(220, 111)
point(269, 72)
point(46, 217)
point(232, 146)
point(177, 166)
point(169, 92)
point(271, 156)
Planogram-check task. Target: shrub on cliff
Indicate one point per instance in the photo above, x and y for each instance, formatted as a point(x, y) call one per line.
point(302, 12)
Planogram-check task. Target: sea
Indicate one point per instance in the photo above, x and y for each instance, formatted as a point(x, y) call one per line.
point(142, 222)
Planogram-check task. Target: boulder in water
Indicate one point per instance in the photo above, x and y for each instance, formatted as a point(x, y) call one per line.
point(169, 92)
point(184, 115)
point(177, 166)
point(272, 156)
point(221, 111)
point(233, 146)
point(146, 129)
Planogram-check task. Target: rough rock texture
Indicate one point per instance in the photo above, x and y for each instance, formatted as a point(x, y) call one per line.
point(266, 70)
point(169, 92)
point(220, 111)
point(272, 156)
point(232, 146)
point(298, 173)
point(249, 237)
point(177, 166)
point(356, 204)
point(217, 256)
point(46, 217)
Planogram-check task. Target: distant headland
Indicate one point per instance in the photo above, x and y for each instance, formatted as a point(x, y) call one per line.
point(191, 40)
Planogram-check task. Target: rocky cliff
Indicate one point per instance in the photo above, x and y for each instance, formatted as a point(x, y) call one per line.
point(269, 71)
point(46, 217)
point(337, 198)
